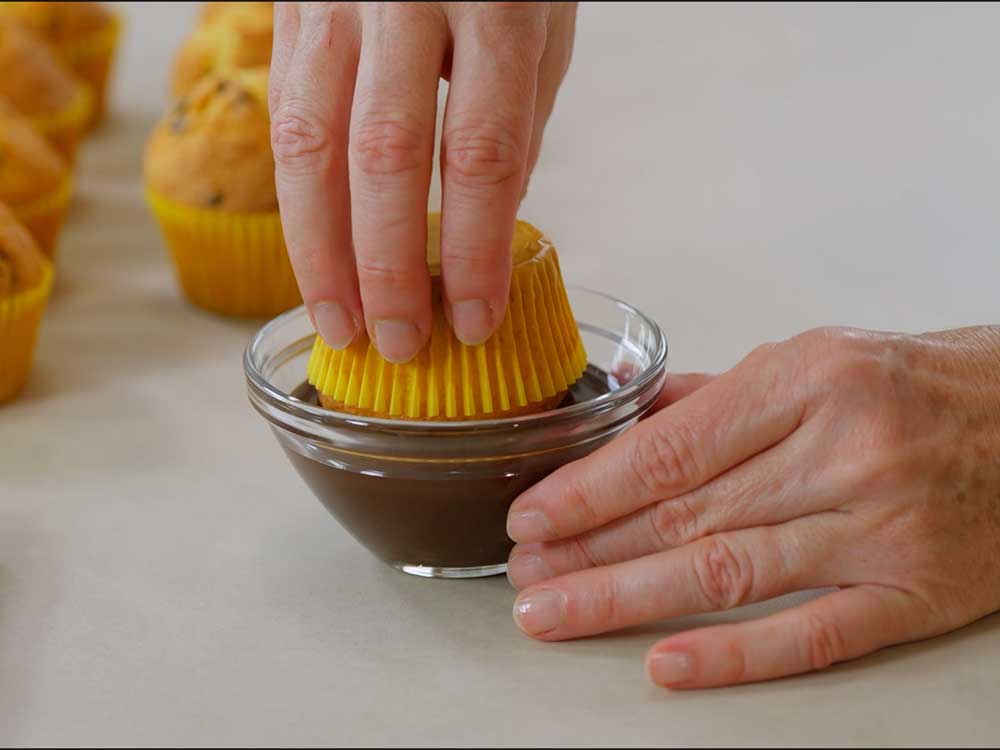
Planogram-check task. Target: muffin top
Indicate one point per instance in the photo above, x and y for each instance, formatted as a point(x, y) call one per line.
point(29, 167)
point(58, 22)
point(22, 265)
point(228, 36)
point(42, 85)
point(212, 149)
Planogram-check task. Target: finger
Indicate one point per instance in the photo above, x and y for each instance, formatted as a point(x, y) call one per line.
point(736, 416)
point(286, 31)
point(309, 139)
point(771, 488)
point(551, 71)
point(484, 147)
point(836, 627)
point(716, 573)
point(391, 154)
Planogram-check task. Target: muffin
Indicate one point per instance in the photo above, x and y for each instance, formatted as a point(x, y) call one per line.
point(527, 366)
point(83, 36)
point(209, 176)
point(25, 283)
point(34, 181)
point(228, 36)
point(41, 89)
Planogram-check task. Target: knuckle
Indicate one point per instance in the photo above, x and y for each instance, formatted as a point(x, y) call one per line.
point(501, 22)
point(607, 605)
point(483, 265)
point(674, 523)
point(824, 642)
point(481, 155)
point(725, 577)
point(663, 459)
point(383, 275)
point(300, 140)
point(575, 496)
point(388, 146)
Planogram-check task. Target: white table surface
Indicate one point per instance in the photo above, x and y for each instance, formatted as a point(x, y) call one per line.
point(742, 173)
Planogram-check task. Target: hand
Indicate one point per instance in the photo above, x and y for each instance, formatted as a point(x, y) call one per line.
point(353, 102)
point(839, 458)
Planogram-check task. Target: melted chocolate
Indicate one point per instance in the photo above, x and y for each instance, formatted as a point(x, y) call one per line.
point(442, 520)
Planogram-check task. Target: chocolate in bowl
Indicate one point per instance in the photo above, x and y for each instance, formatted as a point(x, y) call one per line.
point(431, 498)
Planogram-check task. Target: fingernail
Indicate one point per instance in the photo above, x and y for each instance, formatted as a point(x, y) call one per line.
point(472, 321)
point(397, 340)
point(529, 526)
point(670, 668)
point(335, 325)
point(540, 611)
point(526, 569)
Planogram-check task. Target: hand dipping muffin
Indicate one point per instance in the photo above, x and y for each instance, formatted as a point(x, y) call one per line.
point(228, 36)
point(35, 83)
point(83, 35)
point(34, 181)
point(209, 174)
point(25, 283)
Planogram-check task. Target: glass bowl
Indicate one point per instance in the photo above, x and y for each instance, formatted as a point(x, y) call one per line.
point(431, 498)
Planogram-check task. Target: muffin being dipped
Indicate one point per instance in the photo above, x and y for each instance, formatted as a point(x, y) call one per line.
point(209, 175)
point(527, 366)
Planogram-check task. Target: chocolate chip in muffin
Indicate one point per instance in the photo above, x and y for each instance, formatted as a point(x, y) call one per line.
point(215, 200)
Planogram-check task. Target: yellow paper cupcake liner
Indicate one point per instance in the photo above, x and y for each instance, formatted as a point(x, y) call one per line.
point(20, 317)
point(90, 58)
point(229, 263)
point(65, 128)
point(44, 216)
point(527, 366)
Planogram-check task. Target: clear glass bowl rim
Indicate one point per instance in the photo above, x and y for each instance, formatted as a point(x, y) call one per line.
point(260, 388)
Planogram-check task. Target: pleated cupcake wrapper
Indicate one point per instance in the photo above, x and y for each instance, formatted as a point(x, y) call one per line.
point(229, 263)
point(20, 317)
point(90, 58)
point(64, 128)
point(44, 216)
point(527, 366)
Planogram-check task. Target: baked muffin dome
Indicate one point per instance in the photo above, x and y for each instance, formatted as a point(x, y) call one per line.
point(41, 86)
point(60, 24)
point(29, 168)
point(22, 265)
point(213, 147)
point(228, 36)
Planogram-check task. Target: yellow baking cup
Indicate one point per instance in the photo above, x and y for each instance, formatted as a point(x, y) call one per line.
point(20, 316)
point(65, 128)
point(90, 58)
point(44, 216)
point(229, 263)
point(527, 366)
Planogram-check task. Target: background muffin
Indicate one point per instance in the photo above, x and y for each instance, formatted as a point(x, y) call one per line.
point(25, 282)
point(213, 147)
point(83, 35)
point(34, 181)
point(37, 85)
point(209, 176)
point(227, 36)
